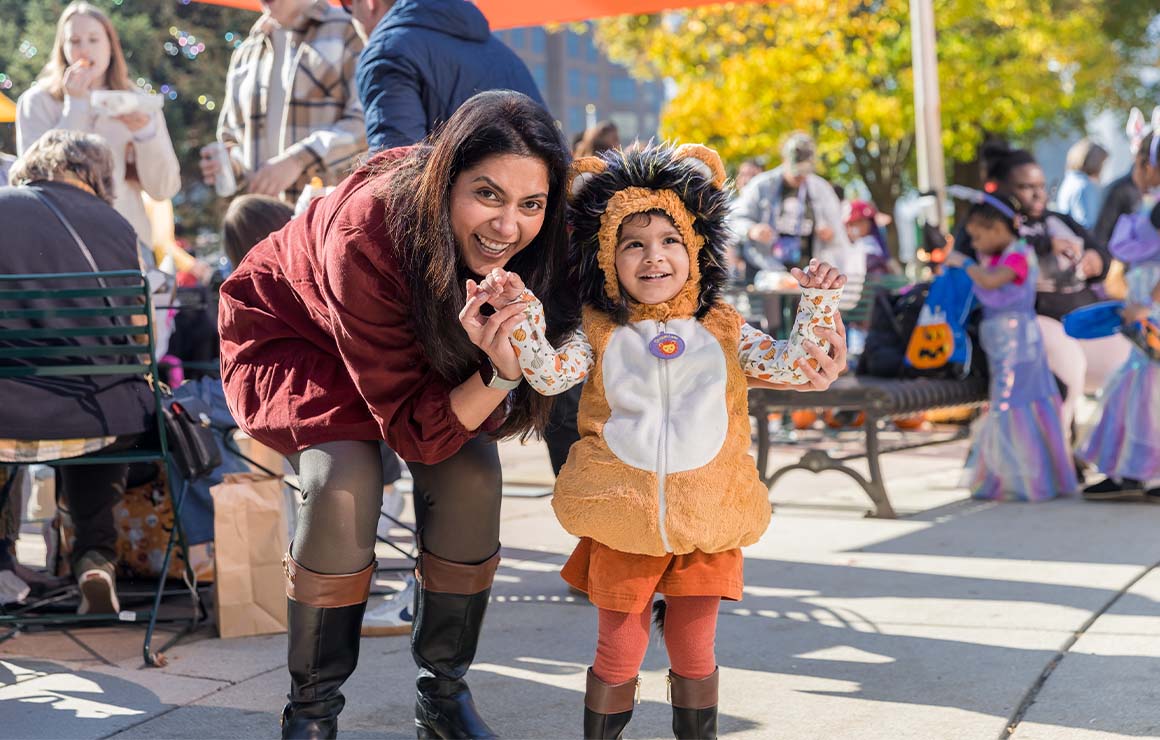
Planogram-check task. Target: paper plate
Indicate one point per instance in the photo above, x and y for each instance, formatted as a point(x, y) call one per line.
point(122, 102)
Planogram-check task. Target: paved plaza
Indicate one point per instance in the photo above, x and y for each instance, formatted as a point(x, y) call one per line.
point(958, 620)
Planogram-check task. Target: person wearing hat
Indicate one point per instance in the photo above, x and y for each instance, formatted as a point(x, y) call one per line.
point(863, 227)
point(789, 215)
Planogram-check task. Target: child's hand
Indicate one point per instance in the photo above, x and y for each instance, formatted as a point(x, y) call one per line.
point(955, 259)
point(819, 275)
point(1133, 313)
point(502, 287)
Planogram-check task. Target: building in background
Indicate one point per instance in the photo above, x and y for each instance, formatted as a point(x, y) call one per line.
point(581, 86)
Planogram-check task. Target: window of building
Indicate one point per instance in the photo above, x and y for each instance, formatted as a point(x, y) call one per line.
point(622, 89)
point(572, 44)
point(593, 87)
point(627, 125)
point(574, 78)
point(576, 119)
point(539, 40)
point(590, 48)
point(519, 38)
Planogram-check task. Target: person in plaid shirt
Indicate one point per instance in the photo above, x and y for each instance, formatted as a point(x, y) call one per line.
point(291, 111)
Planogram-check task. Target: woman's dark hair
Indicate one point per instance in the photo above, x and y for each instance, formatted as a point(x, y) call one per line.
point(1000, 160)
point(249, 220)
point(989, 212)
point(417, 192)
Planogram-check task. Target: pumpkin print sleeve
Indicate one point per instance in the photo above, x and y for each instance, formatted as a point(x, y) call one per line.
point(765, 358)
point(547, 369)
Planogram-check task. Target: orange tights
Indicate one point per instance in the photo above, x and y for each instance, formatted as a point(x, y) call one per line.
point(690, 634)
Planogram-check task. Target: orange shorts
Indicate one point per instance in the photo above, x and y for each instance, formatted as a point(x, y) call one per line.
point(625, 582)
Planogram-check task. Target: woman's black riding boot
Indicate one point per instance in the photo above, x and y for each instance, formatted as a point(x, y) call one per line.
point(608, 707)
point(450, 601)
point(694, 706)
point(325, 618)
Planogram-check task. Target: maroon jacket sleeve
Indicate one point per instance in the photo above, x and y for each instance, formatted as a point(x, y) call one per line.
point(368, 299)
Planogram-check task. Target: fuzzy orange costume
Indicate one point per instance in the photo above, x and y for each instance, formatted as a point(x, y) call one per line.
point(661, 486)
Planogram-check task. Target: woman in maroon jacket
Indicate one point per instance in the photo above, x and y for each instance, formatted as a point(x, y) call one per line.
point(343, 329)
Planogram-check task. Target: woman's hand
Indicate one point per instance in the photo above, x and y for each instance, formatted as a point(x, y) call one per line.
point(1068, 247)
point(134, 121)
point(1091, 264)
point(79, 79)
point(492, 333)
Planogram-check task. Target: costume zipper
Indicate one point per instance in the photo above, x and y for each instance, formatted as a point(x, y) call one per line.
point(663, 448)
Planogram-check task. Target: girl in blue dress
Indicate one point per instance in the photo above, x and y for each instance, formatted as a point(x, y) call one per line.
point(1019, 452)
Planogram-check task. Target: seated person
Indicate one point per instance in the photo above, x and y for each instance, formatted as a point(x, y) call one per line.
point(45, 419)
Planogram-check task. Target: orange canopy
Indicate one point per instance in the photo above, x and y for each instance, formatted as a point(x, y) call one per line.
point(516, 13)
point(7, 109)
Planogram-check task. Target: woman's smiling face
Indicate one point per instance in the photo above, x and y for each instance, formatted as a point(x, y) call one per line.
point(497, 209)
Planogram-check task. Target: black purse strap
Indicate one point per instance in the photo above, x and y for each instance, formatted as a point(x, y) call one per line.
point(76, 237)
point(84, 248)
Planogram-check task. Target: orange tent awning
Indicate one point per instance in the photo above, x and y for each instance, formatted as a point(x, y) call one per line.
point(7, 109)
point(503, 14)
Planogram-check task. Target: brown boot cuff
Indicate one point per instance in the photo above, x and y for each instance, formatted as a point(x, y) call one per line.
point(687, 693)
point(325, 591)
point(605, 698)
point(445, 577)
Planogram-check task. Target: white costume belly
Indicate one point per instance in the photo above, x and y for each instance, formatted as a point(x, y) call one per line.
point(686, 429)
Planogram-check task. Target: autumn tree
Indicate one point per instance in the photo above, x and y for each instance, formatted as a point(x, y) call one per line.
point(748, 73)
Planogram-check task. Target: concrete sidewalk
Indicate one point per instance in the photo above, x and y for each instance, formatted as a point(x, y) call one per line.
point(955, 621)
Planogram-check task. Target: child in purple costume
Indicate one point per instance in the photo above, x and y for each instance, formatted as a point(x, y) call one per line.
point(1125, 442)
point(1019, 452)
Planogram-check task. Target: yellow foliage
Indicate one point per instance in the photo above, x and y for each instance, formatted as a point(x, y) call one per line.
point(747, 74)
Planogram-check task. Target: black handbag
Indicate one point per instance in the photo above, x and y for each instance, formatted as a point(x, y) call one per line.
point(187, 423)
point(192, 445)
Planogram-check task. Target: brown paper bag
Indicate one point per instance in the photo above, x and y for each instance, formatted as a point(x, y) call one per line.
point(249, 541)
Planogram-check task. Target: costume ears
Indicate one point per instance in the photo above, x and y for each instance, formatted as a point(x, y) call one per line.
point(583, 171)
point(704, 160)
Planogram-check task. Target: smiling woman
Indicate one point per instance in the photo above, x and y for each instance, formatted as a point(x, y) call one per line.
point(344, 329)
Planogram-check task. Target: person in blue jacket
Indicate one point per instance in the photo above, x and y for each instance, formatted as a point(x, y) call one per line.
point(422, 60)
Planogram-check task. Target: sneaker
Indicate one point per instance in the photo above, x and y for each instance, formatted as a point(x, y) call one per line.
point(393, 505)
point(13, 588)
point(392, 615)
point(98, 585)
point(1111, 490)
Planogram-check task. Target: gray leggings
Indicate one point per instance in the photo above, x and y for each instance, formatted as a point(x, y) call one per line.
point(456, 504)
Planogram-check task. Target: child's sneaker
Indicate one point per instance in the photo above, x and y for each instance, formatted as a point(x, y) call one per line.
point(392, 615)
point(1110, 490)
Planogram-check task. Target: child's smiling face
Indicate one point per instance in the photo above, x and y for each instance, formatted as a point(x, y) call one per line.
point(652, 262)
